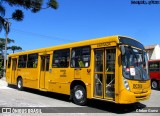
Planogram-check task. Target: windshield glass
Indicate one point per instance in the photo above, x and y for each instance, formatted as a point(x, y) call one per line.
point(134, 63)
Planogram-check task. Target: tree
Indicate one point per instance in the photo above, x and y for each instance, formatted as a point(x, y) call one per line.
point(2, 43)
point(18, 15)
point(2, 47)
point(2, 14)
point(13, 48)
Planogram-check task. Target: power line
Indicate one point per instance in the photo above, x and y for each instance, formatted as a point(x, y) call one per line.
point(42, 36)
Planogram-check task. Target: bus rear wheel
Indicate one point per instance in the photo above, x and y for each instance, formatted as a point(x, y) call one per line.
point(19, 84)
point(79, 95)
point(154, 84)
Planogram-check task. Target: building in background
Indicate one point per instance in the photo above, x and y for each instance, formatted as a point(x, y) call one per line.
point(153, 52)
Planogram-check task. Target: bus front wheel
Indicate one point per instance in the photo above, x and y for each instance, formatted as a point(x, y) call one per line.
point(79, 95)
point(20, 84)
point(154, 84)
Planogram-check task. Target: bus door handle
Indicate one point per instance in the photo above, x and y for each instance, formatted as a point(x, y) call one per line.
point(77, 69)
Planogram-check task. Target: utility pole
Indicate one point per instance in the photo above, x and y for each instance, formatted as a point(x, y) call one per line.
point(6, 23)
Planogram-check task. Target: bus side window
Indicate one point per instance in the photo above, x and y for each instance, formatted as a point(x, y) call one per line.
point(154, 66)
point(73, 60)
point(81, 57)
point(32, 61)
point(22, 60)
point(9, 62)
point(61, 58)
point(47, 62)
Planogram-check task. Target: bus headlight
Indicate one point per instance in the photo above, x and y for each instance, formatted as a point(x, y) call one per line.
point(126, 84)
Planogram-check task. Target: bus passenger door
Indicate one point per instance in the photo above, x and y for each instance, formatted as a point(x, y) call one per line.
point(98, 72)
point(44, 70)
point(104, 73)
point(109, 79)
point(14, 67)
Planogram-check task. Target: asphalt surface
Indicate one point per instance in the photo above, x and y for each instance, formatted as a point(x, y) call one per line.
point(34, 102)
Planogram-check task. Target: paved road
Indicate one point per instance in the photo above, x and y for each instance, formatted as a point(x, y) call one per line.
point(11, 97)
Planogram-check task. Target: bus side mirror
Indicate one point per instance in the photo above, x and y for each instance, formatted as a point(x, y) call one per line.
point(122, 50)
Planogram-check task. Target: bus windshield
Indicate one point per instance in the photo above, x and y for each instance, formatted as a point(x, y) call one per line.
point(134, 63)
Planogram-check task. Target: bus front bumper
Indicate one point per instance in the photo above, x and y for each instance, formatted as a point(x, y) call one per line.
point(127, 97)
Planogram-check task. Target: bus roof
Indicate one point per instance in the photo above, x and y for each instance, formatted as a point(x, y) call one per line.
point(118, 39)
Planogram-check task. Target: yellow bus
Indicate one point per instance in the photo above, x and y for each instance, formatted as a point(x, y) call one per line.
point(111, 68)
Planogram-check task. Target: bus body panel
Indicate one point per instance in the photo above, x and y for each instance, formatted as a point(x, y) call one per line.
point(29, 76)
point(155, 75)
point(129, 97)
point(47, 77)
point(60, 80)
point(154, 72)
point(138, 87)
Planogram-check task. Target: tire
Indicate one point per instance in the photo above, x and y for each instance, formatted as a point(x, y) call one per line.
point(20, 84)
point(79, 95)
point(154, 84)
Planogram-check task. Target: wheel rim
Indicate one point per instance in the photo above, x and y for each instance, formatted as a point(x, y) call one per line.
point(79, 94)
point(154, 84)
point(19, 83)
